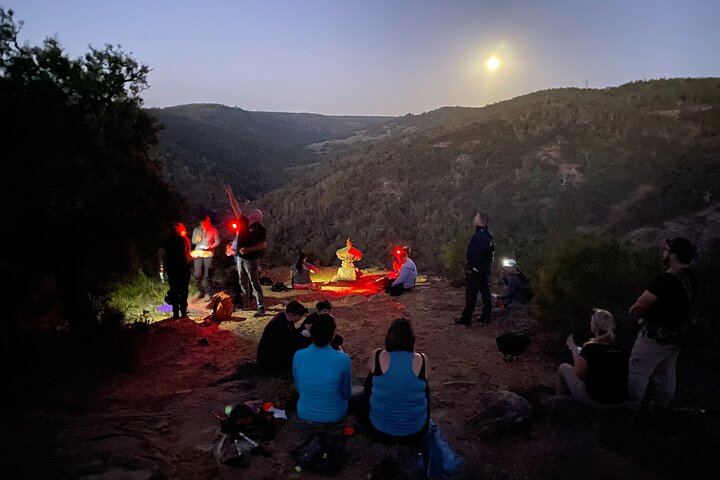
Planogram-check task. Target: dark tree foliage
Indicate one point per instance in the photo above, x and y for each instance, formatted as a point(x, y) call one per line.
point(83, 203)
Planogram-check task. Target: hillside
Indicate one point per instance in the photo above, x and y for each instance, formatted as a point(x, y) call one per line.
point(202, 146)
point(611, 160)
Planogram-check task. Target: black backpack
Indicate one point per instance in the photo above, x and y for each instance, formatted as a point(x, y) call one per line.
point(321, 453)
point(526, 292)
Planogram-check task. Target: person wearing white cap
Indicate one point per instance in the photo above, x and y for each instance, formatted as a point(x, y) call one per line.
point(517, 288)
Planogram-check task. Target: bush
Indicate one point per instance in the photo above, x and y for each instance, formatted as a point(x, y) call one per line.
point(579, 273)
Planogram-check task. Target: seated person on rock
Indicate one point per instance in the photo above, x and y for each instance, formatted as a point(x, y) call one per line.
point(322, 376)
point(406, 277)
point(397, 387)
point(300, 272)
point(280, 339)
point(600, 369)
point(322, 307)
point(517, 286)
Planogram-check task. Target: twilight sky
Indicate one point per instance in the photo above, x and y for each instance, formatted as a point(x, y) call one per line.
point(383, 57)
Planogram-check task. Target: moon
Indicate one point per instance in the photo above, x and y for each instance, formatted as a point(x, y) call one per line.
point(493, 63)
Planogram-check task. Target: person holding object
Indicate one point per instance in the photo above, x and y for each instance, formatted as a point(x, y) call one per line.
point(598, 374)
point(249, 245)
point(662, 310)
point(480, 255)
point(204, 238)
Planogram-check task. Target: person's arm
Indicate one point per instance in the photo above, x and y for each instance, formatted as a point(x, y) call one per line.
point(417, 365)
point(579, 363)
point(642, 304)
point(402, 276)
point(510, 289)
point(259, 246)
point(215, 239)
point(233, 201)
point(347, 377)
point(371, 360)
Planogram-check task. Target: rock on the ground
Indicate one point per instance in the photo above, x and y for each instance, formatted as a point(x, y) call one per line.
point(501, 412)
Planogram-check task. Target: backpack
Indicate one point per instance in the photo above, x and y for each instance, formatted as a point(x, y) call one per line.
point(279, 287)
point(222, 307)
point(321, 453)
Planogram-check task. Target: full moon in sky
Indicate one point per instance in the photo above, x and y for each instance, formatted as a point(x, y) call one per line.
point(493, 63)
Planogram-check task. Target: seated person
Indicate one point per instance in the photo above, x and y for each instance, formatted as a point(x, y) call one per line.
point(301, 273)
point(280, 339)
point(599, 372)
point(322, 307)
point(405, 278)
point(322, 376)
point(517, 285)
point(397, 387)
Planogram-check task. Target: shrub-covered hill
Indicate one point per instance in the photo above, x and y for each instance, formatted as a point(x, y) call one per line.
point(202, 146)
point(609, 160)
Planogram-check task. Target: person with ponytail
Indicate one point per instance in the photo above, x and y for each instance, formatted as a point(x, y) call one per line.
point(598, 375)
point(301, 271)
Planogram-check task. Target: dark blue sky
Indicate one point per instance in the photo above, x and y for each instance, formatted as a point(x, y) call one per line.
point(386, 57)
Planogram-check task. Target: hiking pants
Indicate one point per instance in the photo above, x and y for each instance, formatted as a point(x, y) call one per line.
point(249, 273)
point(477, 282)
point(178, 294)
point(202, 268)
point(652, 362)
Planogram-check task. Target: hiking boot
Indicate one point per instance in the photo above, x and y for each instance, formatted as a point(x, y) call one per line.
point(482, 321)
point(260, 312)
point(462, 321)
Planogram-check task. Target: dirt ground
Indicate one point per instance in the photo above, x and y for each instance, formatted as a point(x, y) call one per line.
point(152, 421)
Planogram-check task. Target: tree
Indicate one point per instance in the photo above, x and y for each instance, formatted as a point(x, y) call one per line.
point(84, 203)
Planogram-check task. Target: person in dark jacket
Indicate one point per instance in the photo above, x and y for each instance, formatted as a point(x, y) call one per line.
point(280, 339)
point(176, 262)
point(480, 255)
point(517, 287)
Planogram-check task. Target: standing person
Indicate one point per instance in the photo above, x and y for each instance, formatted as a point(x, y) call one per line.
point(176, 262)
point(406, 277)
point(249, 246)
point(322, 375)
point(480, 255)
point(204, 238)
point(662, 310)
point(279, 340)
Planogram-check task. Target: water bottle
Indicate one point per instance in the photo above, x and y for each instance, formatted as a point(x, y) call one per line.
point(162, 273)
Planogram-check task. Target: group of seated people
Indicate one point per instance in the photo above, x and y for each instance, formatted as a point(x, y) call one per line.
point(395, 400)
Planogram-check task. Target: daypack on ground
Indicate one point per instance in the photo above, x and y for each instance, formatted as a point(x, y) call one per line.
point(321, 453)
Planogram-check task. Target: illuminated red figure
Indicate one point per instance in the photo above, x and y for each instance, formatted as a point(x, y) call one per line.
point(348, 256)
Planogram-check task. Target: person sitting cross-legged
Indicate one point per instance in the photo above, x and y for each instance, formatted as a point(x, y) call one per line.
point(280, 339)
point(322, 375)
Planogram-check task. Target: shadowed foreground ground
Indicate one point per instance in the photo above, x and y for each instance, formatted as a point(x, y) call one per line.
point(153, 421)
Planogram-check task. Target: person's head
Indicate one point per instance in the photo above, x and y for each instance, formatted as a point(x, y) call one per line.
point(481, 219)
point(180, 229)
point(255, 216)
point(322, 330)
point(509, 265)
point(400, 336)
point(678, 250)
point(294, 311)
point(323, 306)
point(206, 223)
point(602, 326)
